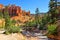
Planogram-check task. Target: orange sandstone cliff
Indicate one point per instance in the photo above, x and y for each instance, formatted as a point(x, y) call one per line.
point(16, 13)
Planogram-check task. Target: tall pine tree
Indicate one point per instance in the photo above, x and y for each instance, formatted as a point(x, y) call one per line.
point(37, 16)
point(52, 9)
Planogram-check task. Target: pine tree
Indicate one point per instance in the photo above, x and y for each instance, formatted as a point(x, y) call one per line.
point(37, 15)
point(52, 10)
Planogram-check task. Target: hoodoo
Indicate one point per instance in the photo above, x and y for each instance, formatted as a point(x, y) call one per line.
point(15, 12)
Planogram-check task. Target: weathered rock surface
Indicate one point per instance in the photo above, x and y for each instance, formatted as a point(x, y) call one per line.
point(15, 12)
point(16, 36)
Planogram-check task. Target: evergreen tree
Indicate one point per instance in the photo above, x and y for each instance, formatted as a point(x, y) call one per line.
point(52, 10)
point(37, 16)
point(37, 12)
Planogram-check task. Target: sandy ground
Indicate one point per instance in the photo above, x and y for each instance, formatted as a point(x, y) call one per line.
point(16, 36)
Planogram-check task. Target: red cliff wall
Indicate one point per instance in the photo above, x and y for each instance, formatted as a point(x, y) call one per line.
point(15, 12)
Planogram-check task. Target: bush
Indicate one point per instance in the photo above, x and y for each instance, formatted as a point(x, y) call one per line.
point(43, 23)
point(12, 29)
point(30, 24)
point(52, 29)
point(10, 24)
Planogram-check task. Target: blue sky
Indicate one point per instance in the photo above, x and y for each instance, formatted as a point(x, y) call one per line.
point(29, 4)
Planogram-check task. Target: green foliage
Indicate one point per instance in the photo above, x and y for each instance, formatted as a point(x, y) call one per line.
point(13, 29)
point(37, 11)
point(1, 15)
point(43, 22)
point(52, 3)
point(10, 24)
point(37, 15)
point(56, 11)
point(53, 10)
point(6, 32)
point(52, 29)
point(36, 21)
point(31, 24)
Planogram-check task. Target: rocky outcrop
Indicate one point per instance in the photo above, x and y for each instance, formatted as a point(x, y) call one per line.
point(16, 13)
point(16, 36)
point(1, 6)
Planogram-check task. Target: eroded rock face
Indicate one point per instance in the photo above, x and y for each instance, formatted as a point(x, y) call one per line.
point(15, 12)
point(16, 36)
point(1, 6)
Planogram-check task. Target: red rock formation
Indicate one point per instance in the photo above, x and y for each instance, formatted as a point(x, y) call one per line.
point(12, 10)
point(15, 12)
point(18, 13)
point(1, 6)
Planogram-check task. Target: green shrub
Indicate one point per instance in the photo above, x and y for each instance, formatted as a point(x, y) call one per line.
point(43, 23)
point(9, 24)
point(12, 29)
point(30, 24)
point(6, 32)
point(52, 29)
